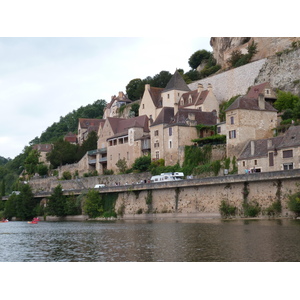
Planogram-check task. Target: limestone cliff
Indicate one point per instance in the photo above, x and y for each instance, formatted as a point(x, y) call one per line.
point(266, 46)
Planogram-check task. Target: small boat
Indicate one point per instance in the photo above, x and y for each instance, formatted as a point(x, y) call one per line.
point(34, 221)
point(4, 221)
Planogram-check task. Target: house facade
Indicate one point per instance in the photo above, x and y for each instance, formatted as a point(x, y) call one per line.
point(248, 119)
point(272, 154)
point(112, 108)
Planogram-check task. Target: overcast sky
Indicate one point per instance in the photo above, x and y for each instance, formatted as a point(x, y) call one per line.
point(42, 79)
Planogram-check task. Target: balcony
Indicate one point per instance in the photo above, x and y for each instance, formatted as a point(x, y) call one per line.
point(103, 159)
point(92, 161)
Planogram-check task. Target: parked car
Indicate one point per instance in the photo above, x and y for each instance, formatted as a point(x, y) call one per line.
point(99, 186)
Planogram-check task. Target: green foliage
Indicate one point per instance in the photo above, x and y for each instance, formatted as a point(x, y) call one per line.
point(223, 106)
point(135, 89)
point(10, 209)
point(216, 167)
point(134, 109)
point(286, 100)
point(142, 164)
point(251, 210)
point(72, 206)
point(108, 172)
point(294, 203)
point(66, 175)
point(227, 210)
point(238, 59)
point(274, 209)
point(122, 165)
point(93, 204)
point(211, 140)
point(69, 123)
point(57, 203)
point(198, 57)
point(31, 162)
point(42, 169)
point(89, 144)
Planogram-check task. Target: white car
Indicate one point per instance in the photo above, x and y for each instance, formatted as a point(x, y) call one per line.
point(99, 186)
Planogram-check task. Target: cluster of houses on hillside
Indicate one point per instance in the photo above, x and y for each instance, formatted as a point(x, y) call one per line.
point(167, 123)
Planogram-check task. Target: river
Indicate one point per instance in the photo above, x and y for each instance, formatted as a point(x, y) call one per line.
point(152, 241)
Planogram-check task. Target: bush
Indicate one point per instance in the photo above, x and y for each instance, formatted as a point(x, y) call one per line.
point(251, 210)
point(274, 209)
point(294, 203)
point(226, 209)
point(66, 175)
point(142, 164)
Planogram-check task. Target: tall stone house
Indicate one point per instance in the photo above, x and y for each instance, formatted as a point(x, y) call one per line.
point(248, 119)
point(272, 154)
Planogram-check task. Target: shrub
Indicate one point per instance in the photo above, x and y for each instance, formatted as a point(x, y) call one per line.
point(274, 209)
point(66, 175)
point(226, 209)
point(251, 210)
point(294, 203)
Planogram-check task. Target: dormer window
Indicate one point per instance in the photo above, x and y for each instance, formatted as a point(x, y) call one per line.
point(181, 102)
point(267, 92)
point(190, 100)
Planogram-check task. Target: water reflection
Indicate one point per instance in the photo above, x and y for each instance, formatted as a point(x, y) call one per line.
point(174, 241)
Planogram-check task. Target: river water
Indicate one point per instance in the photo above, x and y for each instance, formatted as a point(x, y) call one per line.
point(152, 241)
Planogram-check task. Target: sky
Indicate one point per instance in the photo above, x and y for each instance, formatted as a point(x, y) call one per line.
point(43, 78)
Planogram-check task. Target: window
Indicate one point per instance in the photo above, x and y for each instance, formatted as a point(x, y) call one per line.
point(156, 133)
point(219, 129)
point(170, 131)
point(170, 144)
point(287, 153)
point(143, 106)
point(267, 91)
point(288, 166)
point(271, 159)
point(231, 120)
point(156, 144)
point(157, 154)
point(168, 96)
point(232, 134)
point(244, 163)
point(255, 162)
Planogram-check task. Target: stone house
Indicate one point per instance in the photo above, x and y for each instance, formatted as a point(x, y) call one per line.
point(272, 154)
point(175, 128)
point(265, 89)
point(43, 149)
point(85, 126)
point(112, 108)
point(120, 138)
point(201, 99)
point(248, 119)
point(71, 138)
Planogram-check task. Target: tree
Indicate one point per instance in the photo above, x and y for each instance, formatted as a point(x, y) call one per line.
point(134, 108)
point(135, 89)
point(286, 100)
point(161, 80)
point(62, 153)
point(122, 165)
point(89, 144)
point(198, 57)
point(93, 204)
point(25, 203)
point(142, 164)
point(57, 203)
point(31, 162)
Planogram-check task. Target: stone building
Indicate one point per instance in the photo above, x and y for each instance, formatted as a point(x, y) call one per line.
point(248, 119)
point(85, 126)
point(174, 129)
point(120, 138)
point(112, 108)
point(272, 154)
point(43, 149)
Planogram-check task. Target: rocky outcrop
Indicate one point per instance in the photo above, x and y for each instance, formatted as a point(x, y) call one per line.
point(266, 46)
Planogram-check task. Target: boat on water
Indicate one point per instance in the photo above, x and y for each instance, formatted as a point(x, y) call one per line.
point(34, 221)
point(4, 221)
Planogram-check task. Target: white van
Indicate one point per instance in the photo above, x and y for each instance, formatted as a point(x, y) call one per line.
point(163, 177)
point(99, 186)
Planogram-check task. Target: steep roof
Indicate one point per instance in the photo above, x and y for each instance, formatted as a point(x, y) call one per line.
point(155, 94)
point(42, 147)
point(244, 102)
point(197, 98)
point(120, 126)
point(85, 123)
point(166, 116)
point(260, 89)
point(176, 83)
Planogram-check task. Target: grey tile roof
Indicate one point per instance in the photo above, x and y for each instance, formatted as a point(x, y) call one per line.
point(176, 83)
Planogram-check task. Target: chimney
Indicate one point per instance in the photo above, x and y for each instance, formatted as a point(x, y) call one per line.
point(121, 95)
point(200, 87)
point(252, 147)
point(175, 108)
point(261, 102)
point(209, 87)
point(147, 86)
point(270, 144)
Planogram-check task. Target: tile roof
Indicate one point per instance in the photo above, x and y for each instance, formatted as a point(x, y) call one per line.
point(176, 83)
point(43, 147)
point(244, 102)
point(261, 147)
point(120, 126)
point(155, 94)
point(260, 89)
point(166, 116)
point(197, 98)
point(85, 123)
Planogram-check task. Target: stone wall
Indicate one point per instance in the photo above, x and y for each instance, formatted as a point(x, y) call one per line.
point(233, 82)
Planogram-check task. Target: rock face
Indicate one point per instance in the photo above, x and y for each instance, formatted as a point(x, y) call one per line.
point(266, 46)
